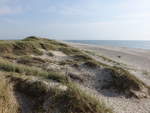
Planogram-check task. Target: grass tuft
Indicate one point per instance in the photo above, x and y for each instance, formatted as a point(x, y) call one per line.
point(8, 102)
point(76, 101)
point(26, 70)
point(125, 81)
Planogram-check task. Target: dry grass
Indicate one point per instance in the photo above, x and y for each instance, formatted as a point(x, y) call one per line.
point(69, 50)
point(30, 45)
point(75, 100)
point(31, 61)
point(19, 48)
point(125, 82)
point(8, 102)
point(72, 100)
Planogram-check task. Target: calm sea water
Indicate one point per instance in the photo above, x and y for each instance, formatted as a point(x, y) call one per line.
point(118, 43)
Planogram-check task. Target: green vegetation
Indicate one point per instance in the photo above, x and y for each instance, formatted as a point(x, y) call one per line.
point(70, 50)
point(23, 48)
point(35, 91)
point(31, 61)
point(125, 81)
point(30, 45)
point(9, 57)
point(26, 70)
point(19, 48)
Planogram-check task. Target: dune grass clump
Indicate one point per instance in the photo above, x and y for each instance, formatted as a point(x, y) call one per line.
point(33, 71)
point(46, 44)
point(31, 61)
point(35, 91)
point(18, 68)
point(76, 101)
point(9, 57)
point(71, 100)
point(58, 77)
point(34, 45)
point(81, 57)
point(24, 48)
point(69, 50)
point(19, 48)
point(30, 45)
point(8, 102)
point(6, 47)
point(125, 82)
point(31, 38)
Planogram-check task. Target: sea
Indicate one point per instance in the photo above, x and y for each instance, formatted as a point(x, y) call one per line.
point(142, 44)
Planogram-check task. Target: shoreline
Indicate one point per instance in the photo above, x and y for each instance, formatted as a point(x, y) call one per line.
point(111, 45)
point(127, 55)
point(105, 46)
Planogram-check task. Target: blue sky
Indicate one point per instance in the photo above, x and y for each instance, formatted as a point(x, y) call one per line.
point(76, 19)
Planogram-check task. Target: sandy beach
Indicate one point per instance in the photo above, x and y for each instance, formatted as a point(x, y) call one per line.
point(138, 58)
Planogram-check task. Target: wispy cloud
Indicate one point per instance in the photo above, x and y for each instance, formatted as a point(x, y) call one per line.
point(65, 10)
point(8, 7)
point(6, 10)
point(81, 9)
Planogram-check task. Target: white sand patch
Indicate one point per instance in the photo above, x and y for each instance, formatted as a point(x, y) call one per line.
point(58, 53)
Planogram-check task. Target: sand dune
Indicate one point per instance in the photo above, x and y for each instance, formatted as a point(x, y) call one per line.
point(136, 59)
